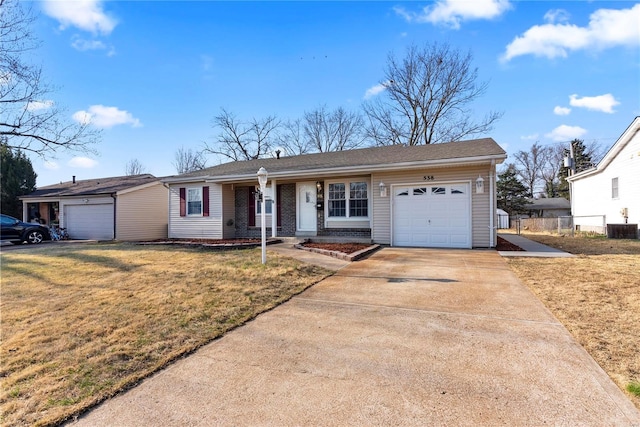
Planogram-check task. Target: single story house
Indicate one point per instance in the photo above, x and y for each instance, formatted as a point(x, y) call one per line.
point(548, 207)
point(440, 195)
point(122, 208)
point(610, 192)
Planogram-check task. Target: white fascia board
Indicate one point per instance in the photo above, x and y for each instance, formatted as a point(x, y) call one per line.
point(363, 168)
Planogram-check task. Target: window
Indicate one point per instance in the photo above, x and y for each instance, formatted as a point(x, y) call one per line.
point(269, 210)
point(421, 191)
point(194, 201)
point(438, 190)
point(348, 204)
point(614, 188)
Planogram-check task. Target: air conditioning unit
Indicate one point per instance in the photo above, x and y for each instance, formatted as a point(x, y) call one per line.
point(624, 212)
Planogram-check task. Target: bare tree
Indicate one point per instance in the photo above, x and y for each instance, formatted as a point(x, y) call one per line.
point(427, 98)
point(529, 166)
point(188, 160)
point(336, 130)
point(29, 119)
point(291, 137)
point(240, 140)
point(134, 167)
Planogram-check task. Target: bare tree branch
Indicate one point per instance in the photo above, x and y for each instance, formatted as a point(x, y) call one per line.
point(29, 119)
point(427, 98)
point(188, 160)
point(134, 167)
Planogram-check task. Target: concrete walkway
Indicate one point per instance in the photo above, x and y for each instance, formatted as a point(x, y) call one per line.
point(533, 249)
point(405, 337)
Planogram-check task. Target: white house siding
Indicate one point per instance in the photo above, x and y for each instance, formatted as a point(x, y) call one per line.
point(141, 214)
point(592, 194)
point(196, 227)
point(480, 207)
point(229, 211)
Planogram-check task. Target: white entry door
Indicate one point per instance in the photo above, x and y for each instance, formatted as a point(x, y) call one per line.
point(433, 215)
point(306, 203)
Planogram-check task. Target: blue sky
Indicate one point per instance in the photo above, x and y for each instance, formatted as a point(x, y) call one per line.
point(152, 74)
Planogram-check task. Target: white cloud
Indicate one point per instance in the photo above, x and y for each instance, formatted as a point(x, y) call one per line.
point(51, 165)
point(87, 15)
point(607, 28)
point(603, 103)
point(39, 105)
point(106, 117)
point(556, 15)
point(452, 12)
point(83, 45)
point(207, 62)
point(532, 137)
point(561, 111)
point(82, 162)
point(374, 90)
point(566, 133)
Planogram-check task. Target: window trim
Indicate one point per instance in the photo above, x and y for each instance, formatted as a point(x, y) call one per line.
point(615, 188)
point(347, 190)
point(186, 198)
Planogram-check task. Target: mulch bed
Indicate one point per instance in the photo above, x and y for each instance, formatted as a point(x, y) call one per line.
point(504, 245)
point(346, 248)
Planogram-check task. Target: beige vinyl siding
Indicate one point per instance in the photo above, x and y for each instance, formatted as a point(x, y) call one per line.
point(196, 227)
point(228, 211)
point(141, 214)
point(480, 232)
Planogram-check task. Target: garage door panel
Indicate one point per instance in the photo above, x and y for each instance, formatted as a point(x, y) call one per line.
point(436, 216)
point(94, 222)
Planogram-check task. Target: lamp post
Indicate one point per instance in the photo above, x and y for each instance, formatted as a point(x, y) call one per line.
point(262, 180)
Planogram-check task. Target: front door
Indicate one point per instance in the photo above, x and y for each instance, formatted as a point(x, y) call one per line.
point(306, 212)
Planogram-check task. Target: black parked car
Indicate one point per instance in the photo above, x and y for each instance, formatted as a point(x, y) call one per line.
point(17, 231)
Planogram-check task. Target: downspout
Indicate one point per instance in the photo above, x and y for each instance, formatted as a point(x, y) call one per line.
point(165, 185)
point(114, 196)
point(492, 205)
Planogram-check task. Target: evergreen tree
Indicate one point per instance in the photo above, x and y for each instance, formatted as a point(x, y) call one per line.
point(17, 178)
point(511, 193)
point(583, 157)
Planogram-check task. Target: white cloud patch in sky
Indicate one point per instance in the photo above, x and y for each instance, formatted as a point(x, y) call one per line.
point(374, 90)
point(51, 165)
point(531, 137)
point(566, 133)
point(82, 162)
point(86, 15)
point(561, 111)
point(603, 103)
point(83, 45)
point(607, 28)
point(452, 13)
point(106, 117)
point(39, 105)
point(556, 15)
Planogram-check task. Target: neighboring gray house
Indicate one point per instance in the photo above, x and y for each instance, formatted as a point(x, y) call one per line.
point(549, 207)
point(122, 208)
point(440, 195)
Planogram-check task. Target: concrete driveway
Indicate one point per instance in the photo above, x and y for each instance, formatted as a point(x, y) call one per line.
point(406, 337)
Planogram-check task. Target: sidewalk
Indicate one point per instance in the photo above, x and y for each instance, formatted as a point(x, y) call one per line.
point(533, 249)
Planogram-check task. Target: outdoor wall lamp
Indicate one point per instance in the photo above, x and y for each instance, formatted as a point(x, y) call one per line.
point(383, 189)
point(319, 186)
point(262, 180)
point(479, 185)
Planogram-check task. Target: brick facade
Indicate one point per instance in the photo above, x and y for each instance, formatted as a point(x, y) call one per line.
point(287, 227)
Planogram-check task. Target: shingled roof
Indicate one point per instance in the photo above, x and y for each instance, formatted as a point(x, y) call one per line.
point(92, 187)
point(373, 157)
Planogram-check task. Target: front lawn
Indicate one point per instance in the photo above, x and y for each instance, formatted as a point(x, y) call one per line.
point(596, 295)
point(82, 322)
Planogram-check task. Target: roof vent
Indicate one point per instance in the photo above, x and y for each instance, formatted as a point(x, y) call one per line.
point(74, 179)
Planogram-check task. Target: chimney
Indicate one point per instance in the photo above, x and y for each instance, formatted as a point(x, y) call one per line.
point(277, 154)
point(74, 179)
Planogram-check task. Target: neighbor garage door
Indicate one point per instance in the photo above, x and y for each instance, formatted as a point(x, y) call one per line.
point(93, 222)
point(434, 215)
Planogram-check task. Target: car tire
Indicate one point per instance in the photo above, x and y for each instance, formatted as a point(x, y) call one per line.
point(34, 236)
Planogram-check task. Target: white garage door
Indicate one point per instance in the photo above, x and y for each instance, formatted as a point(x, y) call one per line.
point(434, 215)
point(93, 222)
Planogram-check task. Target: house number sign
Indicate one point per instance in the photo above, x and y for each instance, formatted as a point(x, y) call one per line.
point(429, 178)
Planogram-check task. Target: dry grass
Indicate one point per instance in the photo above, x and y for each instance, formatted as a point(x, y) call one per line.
point(596, 295)
point(80, 323)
